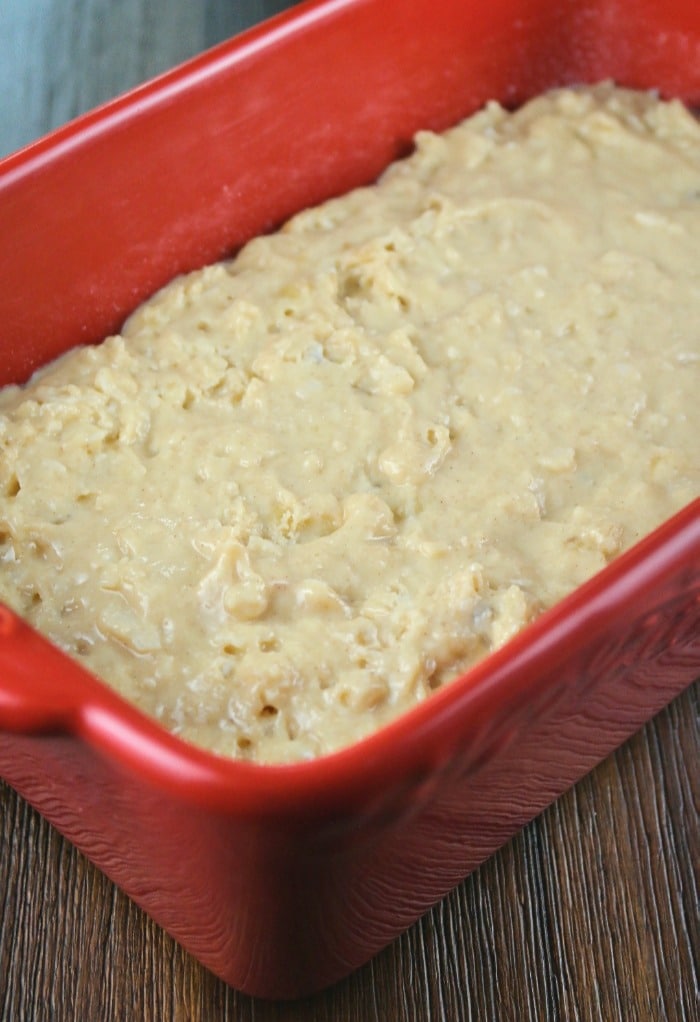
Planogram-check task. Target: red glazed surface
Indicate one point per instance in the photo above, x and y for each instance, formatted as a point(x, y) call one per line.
point(282, 879)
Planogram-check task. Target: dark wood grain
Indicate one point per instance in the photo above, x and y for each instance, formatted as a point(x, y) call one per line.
point(591, 913)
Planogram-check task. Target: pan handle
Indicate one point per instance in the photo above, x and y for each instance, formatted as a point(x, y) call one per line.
point(40, 687)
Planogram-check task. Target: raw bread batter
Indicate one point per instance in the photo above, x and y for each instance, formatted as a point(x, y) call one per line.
point(309, 486)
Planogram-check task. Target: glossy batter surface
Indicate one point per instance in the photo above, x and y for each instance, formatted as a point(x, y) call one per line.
point(307, 487)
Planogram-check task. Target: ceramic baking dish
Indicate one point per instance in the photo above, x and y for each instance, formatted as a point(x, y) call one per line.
point(282, 879)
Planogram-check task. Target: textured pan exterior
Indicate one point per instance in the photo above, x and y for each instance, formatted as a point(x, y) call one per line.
point(282, 879)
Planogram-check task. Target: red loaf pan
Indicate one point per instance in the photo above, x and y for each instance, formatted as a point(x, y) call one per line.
point(282, 879)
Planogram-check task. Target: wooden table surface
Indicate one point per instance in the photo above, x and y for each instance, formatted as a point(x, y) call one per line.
point(591, 913)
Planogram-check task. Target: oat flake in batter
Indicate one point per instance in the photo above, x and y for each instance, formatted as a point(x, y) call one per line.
point(307, 487)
